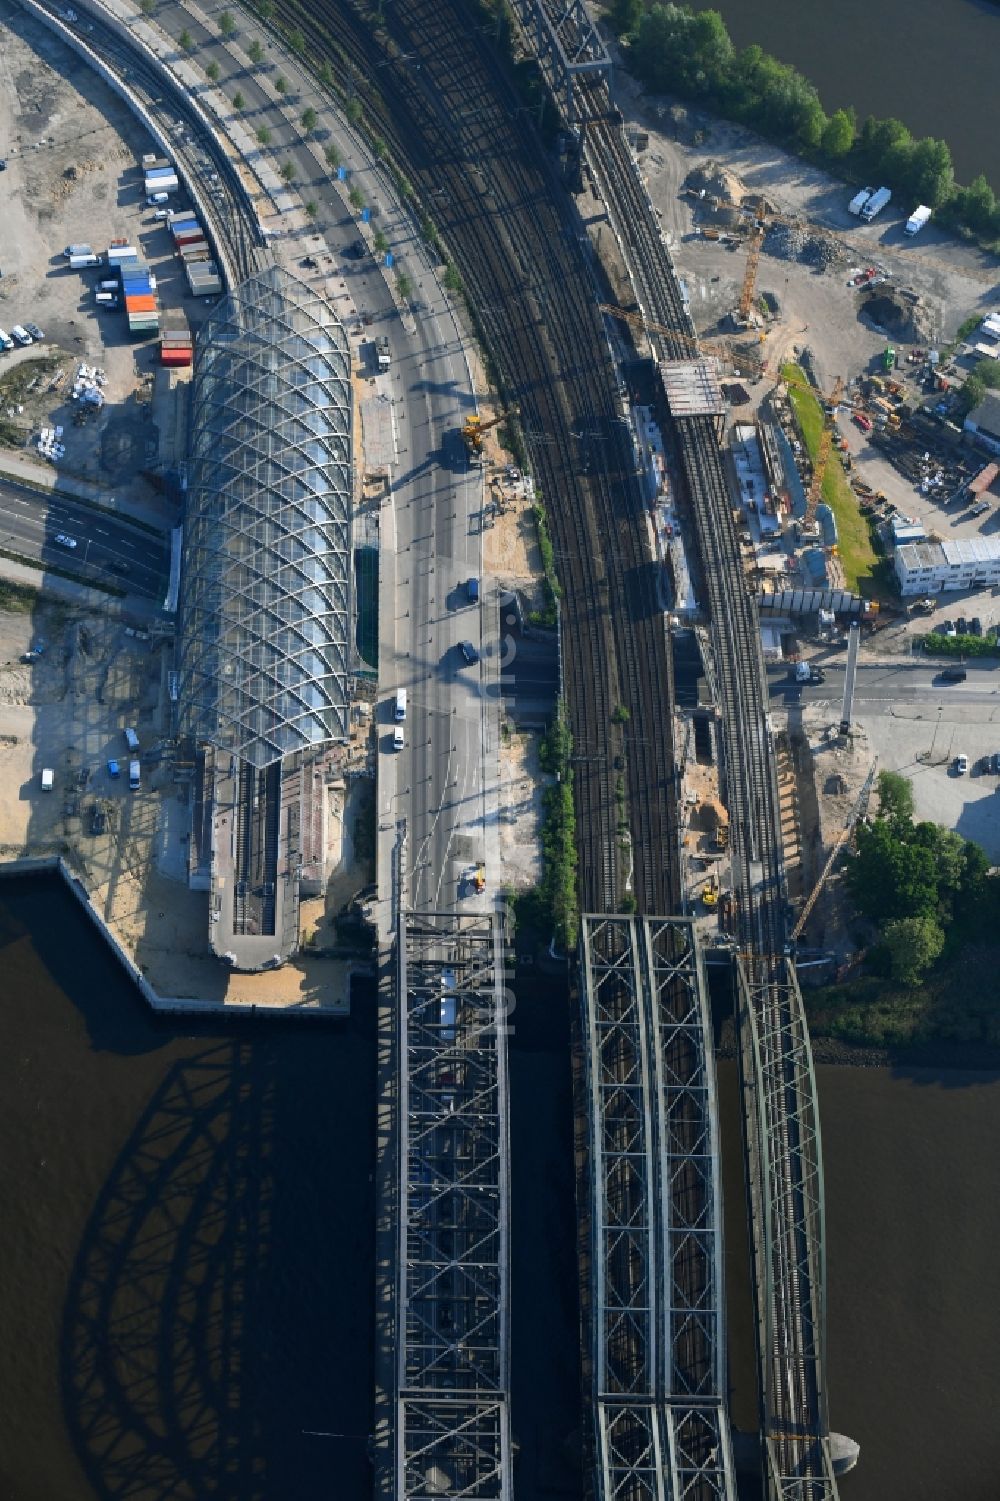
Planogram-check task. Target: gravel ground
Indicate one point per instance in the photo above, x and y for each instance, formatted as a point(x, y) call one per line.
point(72, 176)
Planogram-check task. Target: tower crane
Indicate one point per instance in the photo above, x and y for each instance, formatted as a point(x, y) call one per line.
point(753, 260)
point(858, 810)
point(746, 364)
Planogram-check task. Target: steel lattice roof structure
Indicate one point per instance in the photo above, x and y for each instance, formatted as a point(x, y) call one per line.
point(266, 594)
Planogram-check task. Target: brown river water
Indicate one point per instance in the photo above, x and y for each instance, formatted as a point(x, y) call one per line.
point(932, 63)
point(186, 1249)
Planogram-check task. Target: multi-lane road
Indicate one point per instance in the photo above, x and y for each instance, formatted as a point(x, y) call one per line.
point(885, 686)
point(109, 549)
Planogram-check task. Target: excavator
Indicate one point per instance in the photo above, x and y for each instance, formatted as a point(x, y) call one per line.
point(473, 431)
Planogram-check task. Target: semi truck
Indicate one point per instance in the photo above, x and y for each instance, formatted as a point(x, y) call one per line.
point(876, 204)
point(917, 220)
point(383, 353)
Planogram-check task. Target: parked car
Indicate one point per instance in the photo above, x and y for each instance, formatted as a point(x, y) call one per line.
point(114, 770)
point(35, 332)
point(22, 335)
point(961, 764)
point(995, 764)
point(976, 626)
point(962, 626)
point(952, 675)
point(61, 540)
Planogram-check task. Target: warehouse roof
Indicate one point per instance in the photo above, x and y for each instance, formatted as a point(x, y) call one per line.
point(986, 416)
point(266, 579)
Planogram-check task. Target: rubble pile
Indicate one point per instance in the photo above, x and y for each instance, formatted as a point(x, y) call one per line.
point(795, 242)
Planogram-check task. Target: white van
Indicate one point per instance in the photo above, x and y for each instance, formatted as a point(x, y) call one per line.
point(400, 704)
point(6, 342)
point(22, 335)
point(398, 738)
point(48, 778)
point(132, 741)
point(133, 776)
point(154, 198)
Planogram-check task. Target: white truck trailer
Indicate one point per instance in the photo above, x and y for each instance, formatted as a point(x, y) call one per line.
point(875, 204)
point(917, 220)
point(858, 202)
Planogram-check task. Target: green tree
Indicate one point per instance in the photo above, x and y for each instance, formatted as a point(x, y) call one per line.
point(912, 945)
point(309, 120)
point(227, 23)
point(624, 16)
point(838, 137)
point(264, 136)
point(212, 71)
point(380, 243)
point(312, 208)
point(147, 7)
point(976, 206)
point(186, 41)
point(239, 103)
point(895, 799)
point(356, 198)
point(931, 175)
point(879, 137)
point(296, 41)
point(255, 51)
point(325, 74)
point(332, 154)
point(287, 171)
point(266, 9)
point(281, 84)
point(891, 877)
point(970, 395)
point(352, 109)
point(404, 286)
point(379, 147)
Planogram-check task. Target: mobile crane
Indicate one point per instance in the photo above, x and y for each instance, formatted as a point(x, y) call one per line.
point(473, 430)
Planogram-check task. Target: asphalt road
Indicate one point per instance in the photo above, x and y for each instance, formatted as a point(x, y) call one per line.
point(882, 685)
point(109, 550)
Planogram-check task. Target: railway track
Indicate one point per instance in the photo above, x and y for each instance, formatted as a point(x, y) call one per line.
point(453, 127)
point(793, 1400)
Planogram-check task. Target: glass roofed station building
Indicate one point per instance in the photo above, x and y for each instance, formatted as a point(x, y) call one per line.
point(262, 687)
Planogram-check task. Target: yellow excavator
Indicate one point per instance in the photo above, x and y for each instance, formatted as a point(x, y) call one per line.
point(473, 430)
point(710, 892)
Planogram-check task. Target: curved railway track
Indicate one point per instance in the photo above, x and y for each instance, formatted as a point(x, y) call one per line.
point(231, 222)
point(461, 140)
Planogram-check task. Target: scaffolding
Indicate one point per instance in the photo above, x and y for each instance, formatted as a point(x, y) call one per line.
point(266, 590)
point(453, 1361)
point(567, 46)
point(658, 1327)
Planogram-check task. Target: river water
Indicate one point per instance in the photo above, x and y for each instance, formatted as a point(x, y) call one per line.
point(186, 1249)
point(931, 63)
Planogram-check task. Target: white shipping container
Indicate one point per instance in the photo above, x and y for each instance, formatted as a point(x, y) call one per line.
point(81, 262)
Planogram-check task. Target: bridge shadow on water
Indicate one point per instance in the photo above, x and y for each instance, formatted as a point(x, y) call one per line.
point(208, 1301)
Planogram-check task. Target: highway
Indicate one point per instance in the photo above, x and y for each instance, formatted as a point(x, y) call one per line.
point(883, 685)
point(109, 550)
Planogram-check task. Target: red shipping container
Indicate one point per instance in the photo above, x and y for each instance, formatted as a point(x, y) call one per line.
point(176, 357)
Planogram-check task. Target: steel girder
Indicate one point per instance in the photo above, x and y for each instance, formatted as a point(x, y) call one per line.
point(658, 1328)
point(453, 1426)
point(566, 45)
point(785, 1169)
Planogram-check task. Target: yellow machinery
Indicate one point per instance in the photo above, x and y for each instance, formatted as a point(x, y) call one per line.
point(753, 261)
point(473, 429)
point(746, 364)
point(710, 893)
point(479, 879)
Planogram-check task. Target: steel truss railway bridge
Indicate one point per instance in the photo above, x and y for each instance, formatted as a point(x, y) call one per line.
point(778, 1083)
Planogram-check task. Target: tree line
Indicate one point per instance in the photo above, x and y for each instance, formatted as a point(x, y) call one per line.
point(672, 49)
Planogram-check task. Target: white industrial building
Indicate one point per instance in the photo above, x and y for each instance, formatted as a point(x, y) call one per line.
point(944, 567)
point(984, 422)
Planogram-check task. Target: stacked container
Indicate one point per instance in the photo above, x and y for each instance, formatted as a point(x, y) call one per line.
point(176, 346)
point(139, 289)
point(159, 175)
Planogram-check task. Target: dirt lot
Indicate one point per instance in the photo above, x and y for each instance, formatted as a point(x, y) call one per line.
point(72, 176)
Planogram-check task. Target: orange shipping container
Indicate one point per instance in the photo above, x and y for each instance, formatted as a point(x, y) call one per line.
point(142, 302)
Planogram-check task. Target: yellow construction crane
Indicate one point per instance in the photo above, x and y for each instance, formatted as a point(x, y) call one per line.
point(858, 810)
point(473, 429)
point(746, 364)
point(753, 260)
